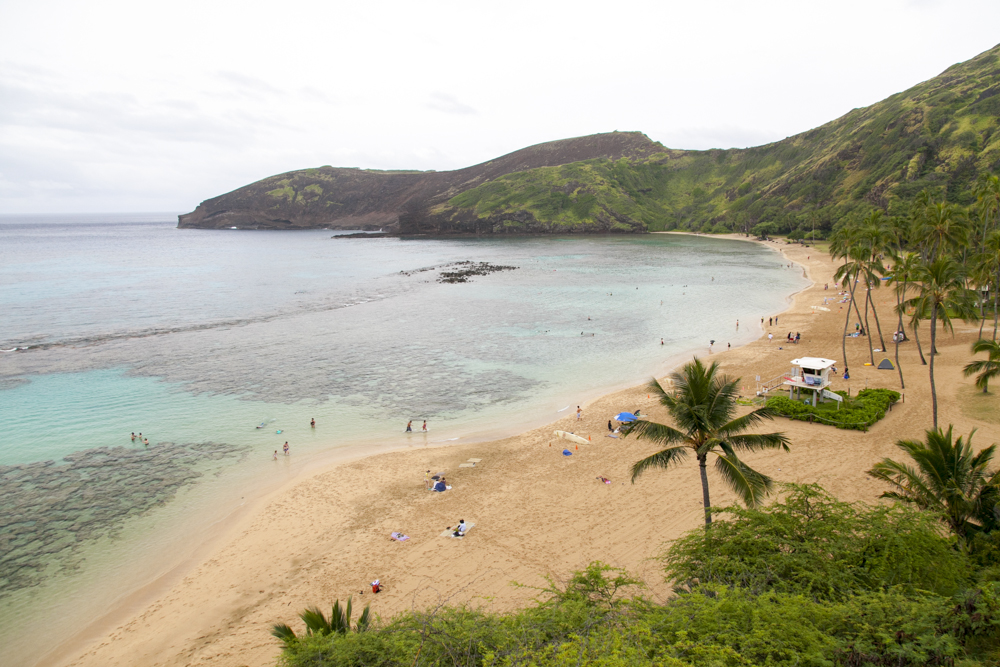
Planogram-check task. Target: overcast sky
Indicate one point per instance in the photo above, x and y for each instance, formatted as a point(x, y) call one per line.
point(126, 105)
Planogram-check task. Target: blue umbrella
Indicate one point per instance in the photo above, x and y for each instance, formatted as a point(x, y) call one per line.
point(625, 417)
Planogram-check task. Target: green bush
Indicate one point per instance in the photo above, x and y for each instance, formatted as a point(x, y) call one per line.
point(869, 406)
point(810, 543)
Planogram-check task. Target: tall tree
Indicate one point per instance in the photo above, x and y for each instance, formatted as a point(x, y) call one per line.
point(948, 479)
point(988, 368)
point(875, 235)
point(844, 245)
point(987, 274)
point(702, 405)
point(942, 293)
point(943, 229)
point(904, 269)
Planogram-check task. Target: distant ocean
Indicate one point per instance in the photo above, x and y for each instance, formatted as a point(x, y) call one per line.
point(194, 338)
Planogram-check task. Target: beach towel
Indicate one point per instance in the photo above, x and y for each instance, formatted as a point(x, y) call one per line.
point(611, 435)
point(399, 537)
point(448, 532)
point(466, 465)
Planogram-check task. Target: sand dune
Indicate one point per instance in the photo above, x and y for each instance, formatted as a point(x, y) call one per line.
point(537, 512)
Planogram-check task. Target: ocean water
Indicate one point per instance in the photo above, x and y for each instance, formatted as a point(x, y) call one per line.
point(194, 338)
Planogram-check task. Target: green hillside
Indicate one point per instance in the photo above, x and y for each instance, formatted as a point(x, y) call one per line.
point(937, 135)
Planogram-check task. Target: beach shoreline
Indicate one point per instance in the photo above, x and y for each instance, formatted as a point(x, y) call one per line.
point(214, 536)
point(278, 556)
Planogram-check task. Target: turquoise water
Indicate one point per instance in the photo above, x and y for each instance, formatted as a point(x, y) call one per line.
point(194, 338)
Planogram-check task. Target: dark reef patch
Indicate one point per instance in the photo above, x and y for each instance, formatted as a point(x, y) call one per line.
point(51, 509)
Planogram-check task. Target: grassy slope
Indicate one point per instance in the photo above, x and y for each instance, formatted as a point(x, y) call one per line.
point(938, 134)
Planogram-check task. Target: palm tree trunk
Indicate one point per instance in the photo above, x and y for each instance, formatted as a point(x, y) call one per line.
point(916, 337)
point(996, 295)
point(934, 310)
point(878, 325)
point(899, 327)
point(843, 341)
point(868, 298)
point(857, 310)
point(702, 460)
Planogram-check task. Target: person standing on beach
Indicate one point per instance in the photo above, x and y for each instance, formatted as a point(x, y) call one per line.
point(770, 336)
point(275, 457)
point(579, 413)
point(775, 320)
point(770, 321)
point(285, 448)
point(610, 427)
point(427, 480)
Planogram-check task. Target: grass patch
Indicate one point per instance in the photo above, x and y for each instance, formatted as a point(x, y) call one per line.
point(974, 404)
point(857, 413)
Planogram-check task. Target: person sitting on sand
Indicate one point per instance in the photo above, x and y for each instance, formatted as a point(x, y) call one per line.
point(459, 529)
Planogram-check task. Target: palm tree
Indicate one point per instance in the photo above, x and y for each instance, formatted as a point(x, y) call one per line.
point(942, 292)
point(702, 405)
point(987, 368)
point(942, 228)
point(904, 269)
point(987, 273)
point(318, 624)
point(948, 479)
point(988, 197)
point(875, 235)
point(844, 245)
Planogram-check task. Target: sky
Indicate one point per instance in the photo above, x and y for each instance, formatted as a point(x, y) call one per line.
point(122, 106)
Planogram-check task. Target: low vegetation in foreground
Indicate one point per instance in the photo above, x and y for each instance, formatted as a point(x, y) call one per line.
point(806, 581)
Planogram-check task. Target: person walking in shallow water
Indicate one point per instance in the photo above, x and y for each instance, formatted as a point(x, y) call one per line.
point(312, 423)
point(285, 448)
point(424, 427)
point(409, 426)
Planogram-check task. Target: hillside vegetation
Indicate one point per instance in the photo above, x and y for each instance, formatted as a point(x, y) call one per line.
point(937, 135)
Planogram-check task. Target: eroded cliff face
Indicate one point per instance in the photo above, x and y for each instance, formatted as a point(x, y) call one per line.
point(409, 202)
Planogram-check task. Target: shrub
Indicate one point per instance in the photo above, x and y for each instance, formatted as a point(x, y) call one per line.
point(869, 406)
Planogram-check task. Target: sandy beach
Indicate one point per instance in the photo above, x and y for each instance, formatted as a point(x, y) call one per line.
point(538, 513)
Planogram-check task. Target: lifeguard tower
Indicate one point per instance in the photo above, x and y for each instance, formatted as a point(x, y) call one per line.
point(812, 373)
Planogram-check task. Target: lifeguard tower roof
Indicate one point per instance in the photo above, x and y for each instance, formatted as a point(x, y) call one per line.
point(813, 363)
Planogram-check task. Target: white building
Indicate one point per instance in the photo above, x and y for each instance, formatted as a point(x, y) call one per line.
point(813, 374)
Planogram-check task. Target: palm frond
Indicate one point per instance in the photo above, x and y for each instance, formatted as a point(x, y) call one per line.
point(752, 442)
point(658, 434)
point(661, 459)
point(284, 633)
point(750, 485)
